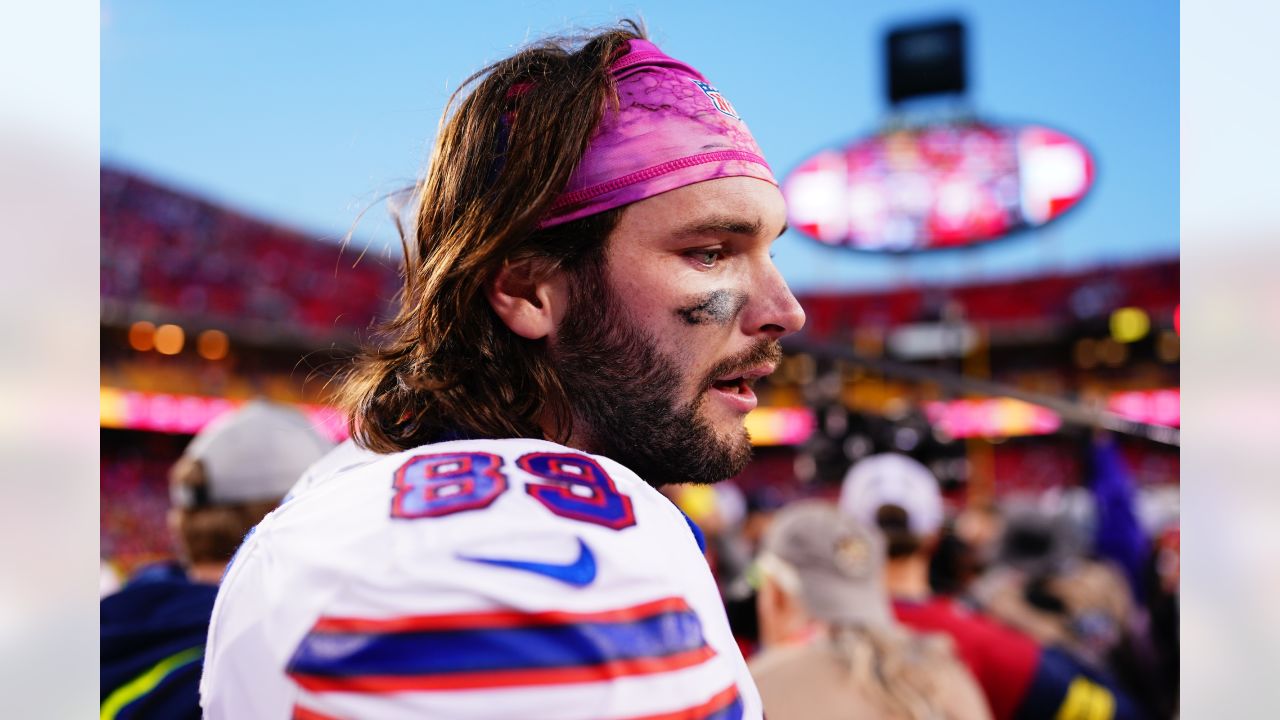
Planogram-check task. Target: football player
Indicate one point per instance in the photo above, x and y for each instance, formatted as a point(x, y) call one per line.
point(588, 299)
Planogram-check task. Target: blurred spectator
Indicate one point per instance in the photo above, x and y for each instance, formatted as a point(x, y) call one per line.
point(1042, 585)
point(1019, 678)
point(1118, 536)
point(833, 648)
point(966, 547)
point(954, 564)
point(1163, 574)
point(980, 526)
point(1060, 578)
point(741, 597)
point(719, 511)
point(233, 473)
point(732, 524)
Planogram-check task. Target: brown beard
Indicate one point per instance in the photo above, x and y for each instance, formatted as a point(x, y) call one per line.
point(623, 392)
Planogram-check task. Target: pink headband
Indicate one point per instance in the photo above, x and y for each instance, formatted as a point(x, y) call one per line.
point(671, 129)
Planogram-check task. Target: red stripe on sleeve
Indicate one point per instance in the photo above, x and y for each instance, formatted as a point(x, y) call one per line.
point(301, 713)
point(718, 702)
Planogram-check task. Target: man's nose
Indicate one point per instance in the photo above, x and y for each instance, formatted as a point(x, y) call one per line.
point(775, 312)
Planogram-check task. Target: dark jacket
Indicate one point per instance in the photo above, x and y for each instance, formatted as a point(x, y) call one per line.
point(153, 636)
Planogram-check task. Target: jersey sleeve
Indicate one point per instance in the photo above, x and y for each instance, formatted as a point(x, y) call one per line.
point(504, 609)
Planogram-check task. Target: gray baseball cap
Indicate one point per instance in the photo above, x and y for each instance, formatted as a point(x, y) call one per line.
point(256, 452)
point(836, 562)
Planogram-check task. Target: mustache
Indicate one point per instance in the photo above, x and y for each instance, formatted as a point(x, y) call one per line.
point(765, 351)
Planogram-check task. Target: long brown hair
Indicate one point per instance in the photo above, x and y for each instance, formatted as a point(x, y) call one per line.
point(446, 365)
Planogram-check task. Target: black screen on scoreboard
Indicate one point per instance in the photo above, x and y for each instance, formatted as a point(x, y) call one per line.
point(925, 60)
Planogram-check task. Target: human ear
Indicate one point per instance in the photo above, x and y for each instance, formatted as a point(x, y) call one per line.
point(527, 298)
point(777, 611)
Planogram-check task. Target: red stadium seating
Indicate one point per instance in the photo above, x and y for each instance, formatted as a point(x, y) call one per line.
point(183, 257)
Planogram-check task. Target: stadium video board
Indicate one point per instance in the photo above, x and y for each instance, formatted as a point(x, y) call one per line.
point(937, 186)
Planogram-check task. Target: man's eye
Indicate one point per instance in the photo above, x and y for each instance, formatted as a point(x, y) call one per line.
point(706, 258)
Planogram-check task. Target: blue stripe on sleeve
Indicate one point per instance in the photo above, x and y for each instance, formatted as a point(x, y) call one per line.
point(335, 654)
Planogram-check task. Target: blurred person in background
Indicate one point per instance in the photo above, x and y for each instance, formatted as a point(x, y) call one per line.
point(1164, 601)
point(741, 598)
point(955, 563)
point(720, 511)
point(733, 524)
point(968, 547)
point(834, 649)
point(1020, 678)
point(1043, 584)
point(153, 630)
point(1061, 576)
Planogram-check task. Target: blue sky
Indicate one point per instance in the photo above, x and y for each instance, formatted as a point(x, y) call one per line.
point(304, 113)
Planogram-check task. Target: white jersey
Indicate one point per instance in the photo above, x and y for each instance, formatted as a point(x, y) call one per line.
point(474, 579)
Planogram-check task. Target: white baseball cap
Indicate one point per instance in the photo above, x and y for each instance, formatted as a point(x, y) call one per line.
point(256, 452)
point(892, 479)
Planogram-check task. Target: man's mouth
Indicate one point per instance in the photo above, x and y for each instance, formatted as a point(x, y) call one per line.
point(737, 386)
point(742, 380)
point(733, 385)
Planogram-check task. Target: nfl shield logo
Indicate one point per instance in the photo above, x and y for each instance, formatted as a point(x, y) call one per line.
point(720, 101)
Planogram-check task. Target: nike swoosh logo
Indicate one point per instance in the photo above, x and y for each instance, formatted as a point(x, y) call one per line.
point(579, 573)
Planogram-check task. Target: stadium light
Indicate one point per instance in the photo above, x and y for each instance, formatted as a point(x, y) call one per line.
point(142, 336)
point(212, 344)
point(1129, 324)
point(169, 339)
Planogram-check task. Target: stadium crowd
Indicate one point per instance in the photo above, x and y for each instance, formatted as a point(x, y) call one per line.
point(167, 250)
point(1035, 591)
point(135, 496)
